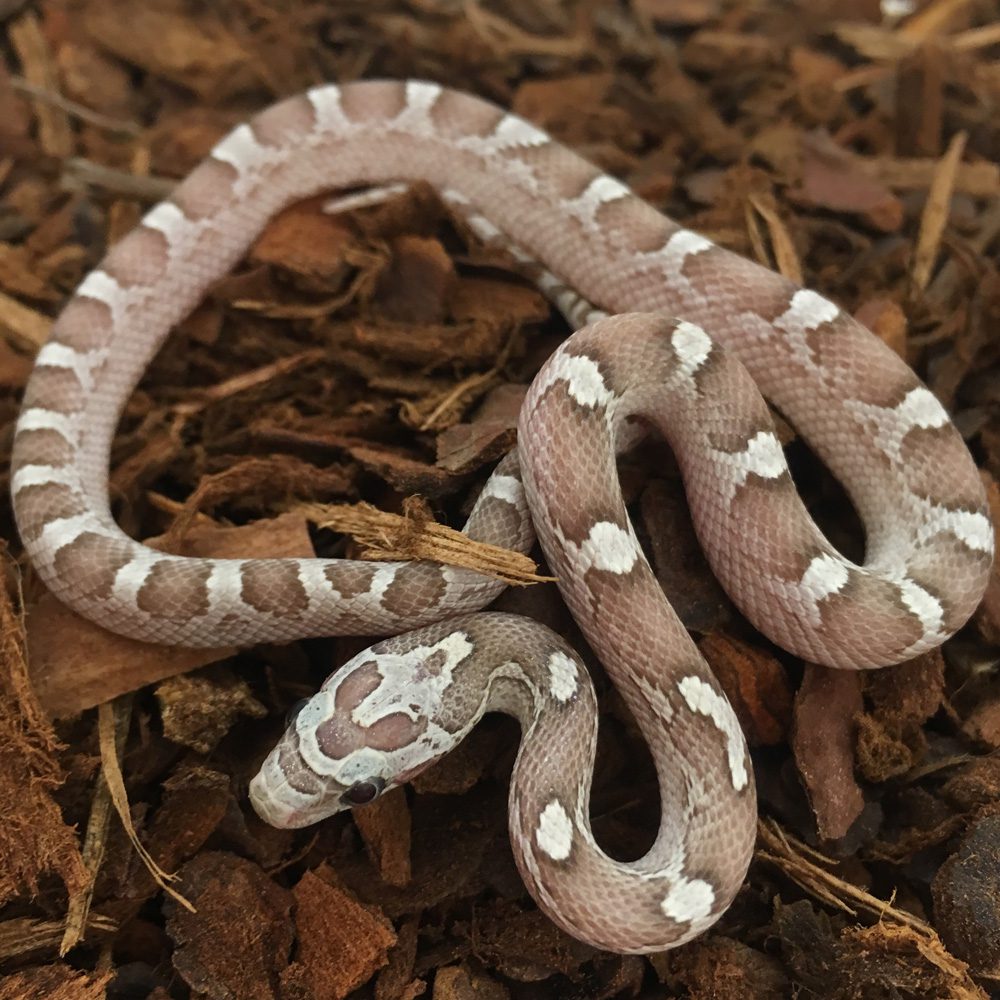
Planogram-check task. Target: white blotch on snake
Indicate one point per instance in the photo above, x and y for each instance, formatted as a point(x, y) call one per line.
point(562, 676)
point(555, 832)
point(689, 900)
point(704, 700)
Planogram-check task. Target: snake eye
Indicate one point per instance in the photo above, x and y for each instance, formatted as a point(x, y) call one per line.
point(293, 713)
point(364, 791)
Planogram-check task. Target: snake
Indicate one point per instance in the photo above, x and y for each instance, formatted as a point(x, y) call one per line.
point(674, 335)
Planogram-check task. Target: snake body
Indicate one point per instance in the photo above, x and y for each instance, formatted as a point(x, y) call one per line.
point(606, 256)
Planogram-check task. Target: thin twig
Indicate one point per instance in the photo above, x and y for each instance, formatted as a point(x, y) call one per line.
point(86, 173)
point(81, 111)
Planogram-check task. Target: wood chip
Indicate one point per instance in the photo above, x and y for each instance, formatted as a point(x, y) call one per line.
point(341, 943)
point(823, 739)
point(935, 215)
point(414, 535)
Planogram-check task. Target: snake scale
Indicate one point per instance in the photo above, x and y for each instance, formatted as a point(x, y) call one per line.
point(607, 258)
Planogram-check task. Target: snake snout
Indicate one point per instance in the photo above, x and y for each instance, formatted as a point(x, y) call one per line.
point(269, 807)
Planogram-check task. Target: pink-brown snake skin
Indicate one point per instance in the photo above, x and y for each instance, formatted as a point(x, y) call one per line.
point(681, 334)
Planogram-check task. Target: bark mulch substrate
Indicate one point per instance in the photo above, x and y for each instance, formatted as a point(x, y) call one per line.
point(378, 355)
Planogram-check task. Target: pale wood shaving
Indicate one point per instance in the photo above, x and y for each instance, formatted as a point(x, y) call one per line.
point(414, 534)
point(935, 214)
point(77, 110)
point(108, 732)
point(95, 841)
point(932, 21)
point(79, 172)
point(976, 38)
point(446, 410)
point(809, 869)
point(55, 135)
point(903, 174)
point(785, 256)
point(507, 39)
point(248, 380)
point(27, 328)
point(29, 935)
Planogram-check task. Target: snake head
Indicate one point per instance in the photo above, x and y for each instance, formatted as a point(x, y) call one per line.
point(377, 722)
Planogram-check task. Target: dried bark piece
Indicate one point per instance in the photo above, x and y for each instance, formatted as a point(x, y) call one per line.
point(886, 319)
point(97, 81)
point(809, 946)
point(444, 869)
point(618, 975)
point(341, 943)
point(965, 890)
point(467, 447)
point(983, 723)
point(686, 105)
point(240, 938)
point(525, 945)
point(199, 709)
point(413, 208)
point(385, 828)
point(709, 49)
point(75, 664)
point(975, 785)
point(831, 179)
point(826, 707)
point(254, 483)
point(284, 535)
point(19, 274)
point(890, 738)
point(252, 290)
point(309, 243)
point(920, 80)
point(397, 981)
point(418, 282)
point(405, 474)
point(816, 77)
point(15, 127)
point(34, 837)
point(415, 535)
point(490, 434)
point(506, 305)
point(425, 345)
point(724, 969)
point(678, 561)
point(30, 329)
point(459, 982)
point(30, 42)
point(55, 982)
point(578, 108)
point(677, 12)
point(24, 937)
point(466, 765)
point(755, 683)
point(197, 52)
point(196, 800)
point(871, 962)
